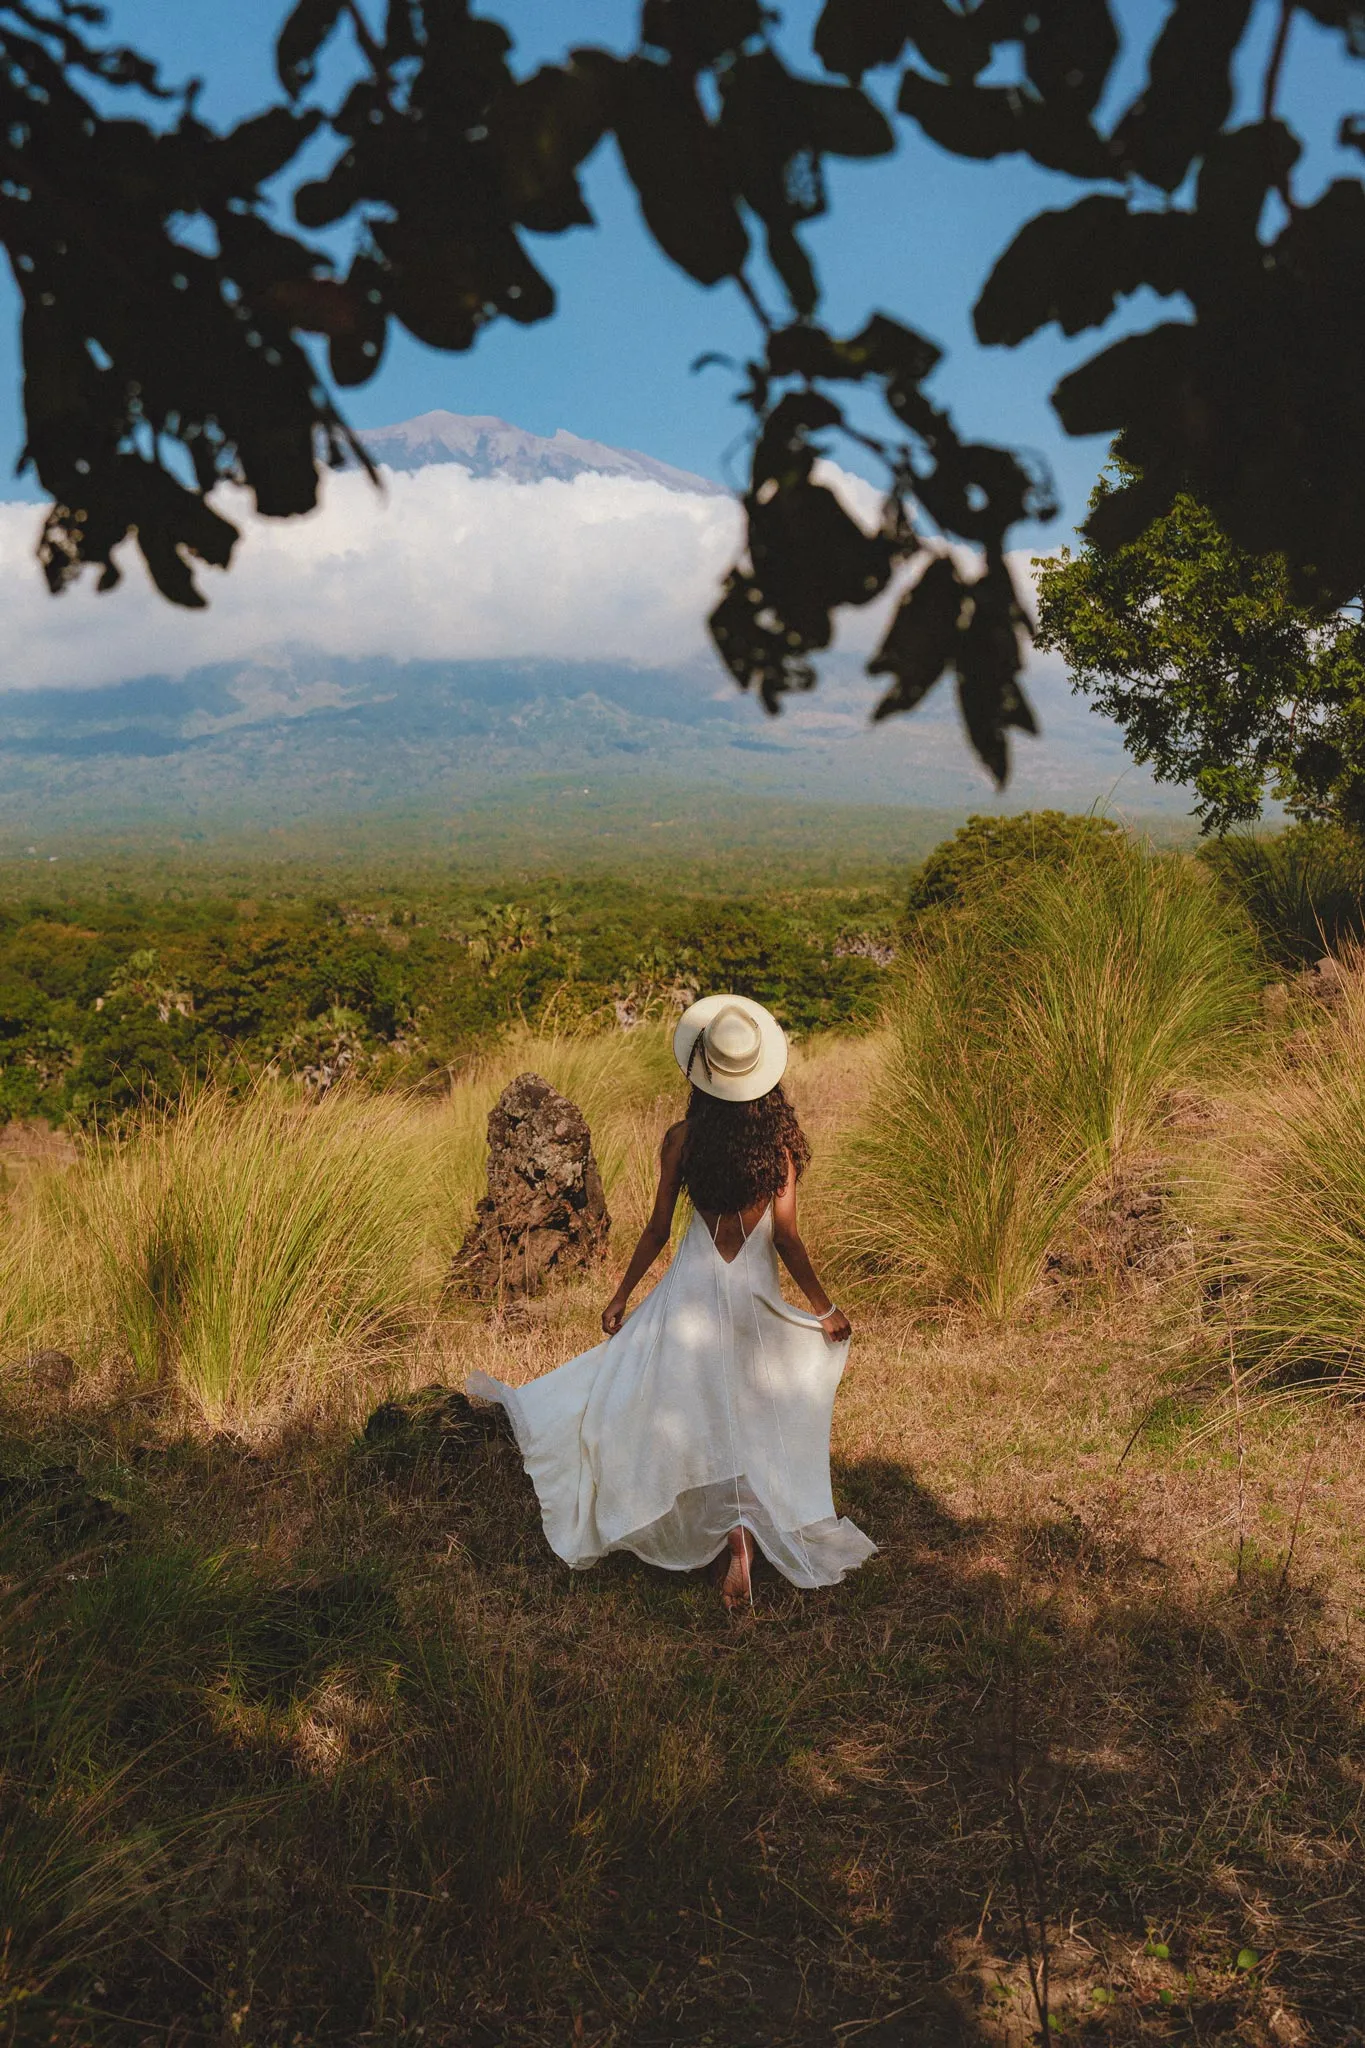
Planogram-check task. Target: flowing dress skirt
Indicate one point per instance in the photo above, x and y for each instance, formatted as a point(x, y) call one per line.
point(710, 1408)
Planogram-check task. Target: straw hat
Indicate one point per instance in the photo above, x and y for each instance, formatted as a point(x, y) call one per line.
point(730, 1047)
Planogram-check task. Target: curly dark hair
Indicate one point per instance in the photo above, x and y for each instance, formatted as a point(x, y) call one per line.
point(736, 1153)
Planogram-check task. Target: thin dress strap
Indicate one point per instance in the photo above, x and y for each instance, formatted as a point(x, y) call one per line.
point(738, 1215)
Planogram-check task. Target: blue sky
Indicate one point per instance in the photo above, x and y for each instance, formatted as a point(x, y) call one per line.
point(614, 363)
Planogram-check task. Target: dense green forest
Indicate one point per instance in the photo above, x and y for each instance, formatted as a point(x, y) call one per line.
point(123, 978)
point(113, 997)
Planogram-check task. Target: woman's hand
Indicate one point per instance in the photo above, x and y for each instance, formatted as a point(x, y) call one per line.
point(836, 1325)
point(613, 1315)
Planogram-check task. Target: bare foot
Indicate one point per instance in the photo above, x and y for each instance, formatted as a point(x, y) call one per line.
point(736, 1588)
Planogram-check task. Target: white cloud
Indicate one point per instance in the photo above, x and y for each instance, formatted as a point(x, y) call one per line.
point(440, 565)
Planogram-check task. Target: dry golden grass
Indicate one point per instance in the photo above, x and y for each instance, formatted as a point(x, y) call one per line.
point(299, 1743)
point(256, 1253)
point(1286, 1197)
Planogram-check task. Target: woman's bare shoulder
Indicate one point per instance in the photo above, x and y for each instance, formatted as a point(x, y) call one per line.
point(673, 1138)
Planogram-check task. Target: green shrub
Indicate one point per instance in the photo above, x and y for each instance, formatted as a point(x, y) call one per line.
point(986, 853)
point(1304, 888)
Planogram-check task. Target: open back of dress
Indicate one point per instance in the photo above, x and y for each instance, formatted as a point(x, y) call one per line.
point(708, 1410)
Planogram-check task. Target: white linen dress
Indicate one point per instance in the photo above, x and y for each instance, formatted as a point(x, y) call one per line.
point(709, 1408)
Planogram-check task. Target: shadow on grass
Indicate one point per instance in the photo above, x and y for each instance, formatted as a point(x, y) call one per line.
point(310, 1748)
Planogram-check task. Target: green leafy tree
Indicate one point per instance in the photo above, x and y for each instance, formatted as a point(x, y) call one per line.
point(501, 930)
point(1218, 673)
point(141, 979)
point(131, 1058)
point(167, 310)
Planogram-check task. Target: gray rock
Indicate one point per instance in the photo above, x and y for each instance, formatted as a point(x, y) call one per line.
point(1325, 980)
point(545, 1213)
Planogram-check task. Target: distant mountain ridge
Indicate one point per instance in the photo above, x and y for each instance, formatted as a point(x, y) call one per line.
point(297, 732)
point(489, 447)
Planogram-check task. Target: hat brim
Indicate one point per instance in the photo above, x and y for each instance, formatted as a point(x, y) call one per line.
point(772, 1059)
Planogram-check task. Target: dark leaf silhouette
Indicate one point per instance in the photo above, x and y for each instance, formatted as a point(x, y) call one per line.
point(542, 131)
point(1069, 49)
point(305, 31)
point(673, 159)
point(844, 122)
point(969, 120)
point(236, 163)
point(697, 32)
point(854, 36)
point(1188, 94)
point(995, 120)
point(759, 652)
point(1238, 171)
point(1074, 266)
point(921, 641)
point(955, 41)
point(1097, 398)
point(989, 661)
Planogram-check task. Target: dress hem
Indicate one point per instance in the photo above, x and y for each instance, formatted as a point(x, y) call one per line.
point(691, 1520)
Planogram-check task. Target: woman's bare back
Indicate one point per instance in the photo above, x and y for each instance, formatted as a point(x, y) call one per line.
point(728, 1232)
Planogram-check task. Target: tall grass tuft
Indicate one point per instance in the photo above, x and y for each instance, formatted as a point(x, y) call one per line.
point(1298, 1216)
point(1032, 1048)
point(954, 1186)
point(1126, 979)
point(244, 1250)
point(234, 1244)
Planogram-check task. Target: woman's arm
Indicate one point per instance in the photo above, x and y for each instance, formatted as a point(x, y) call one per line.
point(796, 1259)
point(656, 1232)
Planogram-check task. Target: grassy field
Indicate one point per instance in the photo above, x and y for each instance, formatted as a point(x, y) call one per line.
point(305, 1736)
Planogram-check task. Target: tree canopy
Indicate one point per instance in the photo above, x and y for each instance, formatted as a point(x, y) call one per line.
point(1218, 673)
point(165, 304)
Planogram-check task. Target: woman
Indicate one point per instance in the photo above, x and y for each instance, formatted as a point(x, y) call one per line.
point(702, 1424)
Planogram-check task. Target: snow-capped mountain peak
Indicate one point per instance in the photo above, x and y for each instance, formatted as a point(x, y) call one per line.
point(489, 447)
